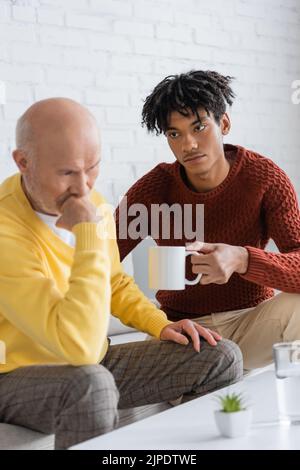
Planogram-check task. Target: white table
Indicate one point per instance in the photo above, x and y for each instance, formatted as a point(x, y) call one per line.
point(191, 425)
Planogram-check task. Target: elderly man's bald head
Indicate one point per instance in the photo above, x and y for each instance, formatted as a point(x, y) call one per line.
point(52, 116)
point(58, 152)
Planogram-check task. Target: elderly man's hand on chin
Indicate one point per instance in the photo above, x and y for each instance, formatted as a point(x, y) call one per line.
point(75, 210)
point(178, 332)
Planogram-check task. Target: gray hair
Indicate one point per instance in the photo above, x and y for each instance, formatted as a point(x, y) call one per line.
point(24, 135)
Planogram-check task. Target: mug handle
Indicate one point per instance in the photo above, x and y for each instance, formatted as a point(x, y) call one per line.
point(197, 279)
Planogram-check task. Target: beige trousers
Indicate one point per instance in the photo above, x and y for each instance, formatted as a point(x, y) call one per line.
point(256, 329)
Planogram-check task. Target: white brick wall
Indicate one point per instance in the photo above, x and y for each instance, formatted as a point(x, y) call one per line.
point(109, 54)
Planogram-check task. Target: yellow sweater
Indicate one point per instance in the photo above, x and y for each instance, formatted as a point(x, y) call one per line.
point(55, 300)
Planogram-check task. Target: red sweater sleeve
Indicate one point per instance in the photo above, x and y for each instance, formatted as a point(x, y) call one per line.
point(280, 271)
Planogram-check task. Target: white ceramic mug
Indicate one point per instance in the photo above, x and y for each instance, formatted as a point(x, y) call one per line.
point(167, 268)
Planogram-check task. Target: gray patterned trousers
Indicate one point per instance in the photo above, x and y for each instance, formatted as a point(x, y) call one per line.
point(78, 403)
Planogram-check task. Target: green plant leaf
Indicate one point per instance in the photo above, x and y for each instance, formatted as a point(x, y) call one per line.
point(231, 402)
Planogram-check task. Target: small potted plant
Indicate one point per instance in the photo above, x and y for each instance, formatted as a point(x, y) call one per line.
point(233, 419)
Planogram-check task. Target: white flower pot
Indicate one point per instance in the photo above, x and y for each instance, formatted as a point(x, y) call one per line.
point(235, 424)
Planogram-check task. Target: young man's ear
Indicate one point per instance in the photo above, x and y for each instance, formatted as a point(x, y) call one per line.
point(21, 160)
point(225, 124)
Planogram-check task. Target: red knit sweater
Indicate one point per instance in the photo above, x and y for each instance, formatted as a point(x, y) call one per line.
point(256, 202)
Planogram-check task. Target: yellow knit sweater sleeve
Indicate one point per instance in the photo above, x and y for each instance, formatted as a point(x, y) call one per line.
point(72, 326)
point(128, 303)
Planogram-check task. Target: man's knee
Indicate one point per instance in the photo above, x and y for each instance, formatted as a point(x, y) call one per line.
point(285, 309)
point(230, 358)
point(94, 385)
point(215, 367)
point(88, 405)
point(223, 361)
point(95, 377)
point(289, 303)
point(289, 316)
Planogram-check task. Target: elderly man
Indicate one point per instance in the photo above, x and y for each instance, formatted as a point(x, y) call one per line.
point(59, 281)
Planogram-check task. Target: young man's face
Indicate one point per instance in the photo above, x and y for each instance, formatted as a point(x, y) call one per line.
point(197, 144)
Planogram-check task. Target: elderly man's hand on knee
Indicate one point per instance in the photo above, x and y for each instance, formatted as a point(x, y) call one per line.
point(178, 332)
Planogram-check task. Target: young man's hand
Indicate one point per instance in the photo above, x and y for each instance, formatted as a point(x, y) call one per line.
point(178, 332)
point(218, 261)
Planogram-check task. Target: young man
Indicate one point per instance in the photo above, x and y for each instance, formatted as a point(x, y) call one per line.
point(60, 277)
point(247, 200)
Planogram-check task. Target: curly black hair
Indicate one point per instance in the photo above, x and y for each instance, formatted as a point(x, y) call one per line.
point(187, 93)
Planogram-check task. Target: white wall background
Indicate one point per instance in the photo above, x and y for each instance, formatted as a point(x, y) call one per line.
point(109, 54)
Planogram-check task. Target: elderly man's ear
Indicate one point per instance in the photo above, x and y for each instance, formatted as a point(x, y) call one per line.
point(21, 160)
